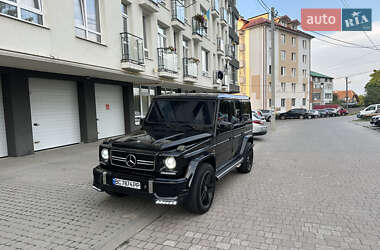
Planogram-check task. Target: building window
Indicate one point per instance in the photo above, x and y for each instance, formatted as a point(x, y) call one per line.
point(304, 101)
point(283, 71)
point(162, 37)
point(304, 73)
point(294, 71)
point(328, 96)
point(293, 102)
point(270, 102)
point(283, 86)
point(87, 21)
point(27, 10)
point(293, 87)
point(293, 41)
point(283, 55)
point(304, 44)
point(270, 69)
point(294, 57)
point(316, 96)
point(304, 87)
point(124, 16)
point(283, 38)
point(304, 59)
point(142, 97)
point(282, 102)
point(205, 62)
point(145, 35)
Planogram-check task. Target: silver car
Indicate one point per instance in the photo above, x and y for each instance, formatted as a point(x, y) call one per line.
point(259, 124)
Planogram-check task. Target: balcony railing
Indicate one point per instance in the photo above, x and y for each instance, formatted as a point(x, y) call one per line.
point(178, 10)
point(190, 67)
point(167, 60)
point(132, 48)
point(230, 50)
point(198, 27)
point(220, 44)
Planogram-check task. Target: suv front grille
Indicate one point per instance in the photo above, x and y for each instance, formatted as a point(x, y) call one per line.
point(133, 160)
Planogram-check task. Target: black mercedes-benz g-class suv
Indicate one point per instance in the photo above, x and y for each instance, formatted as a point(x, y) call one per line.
point(186, 143)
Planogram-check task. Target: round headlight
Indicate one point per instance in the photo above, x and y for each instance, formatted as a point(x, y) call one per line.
point(104, 154)
point(170, 162)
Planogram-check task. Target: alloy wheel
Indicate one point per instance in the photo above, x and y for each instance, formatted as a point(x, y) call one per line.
point(207, 190)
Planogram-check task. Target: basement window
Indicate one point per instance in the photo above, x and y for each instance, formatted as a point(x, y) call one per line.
point(26, 10)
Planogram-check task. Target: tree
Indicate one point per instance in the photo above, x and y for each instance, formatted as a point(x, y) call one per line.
point(361, 100)
point(372, 89)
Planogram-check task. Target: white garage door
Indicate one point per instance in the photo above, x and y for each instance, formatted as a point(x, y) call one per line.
point(3, 138)
point(109, 110)
point(55, 114)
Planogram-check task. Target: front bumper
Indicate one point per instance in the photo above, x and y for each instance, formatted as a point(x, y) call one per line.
point(162, 191)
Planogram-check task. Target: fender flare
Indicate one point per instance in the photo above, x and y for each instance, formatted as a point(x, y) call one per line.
point(246, 139)
point(193, 165)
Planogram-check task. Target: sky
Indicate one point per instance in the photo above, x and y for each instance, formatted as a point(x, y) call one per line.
point(328, 59)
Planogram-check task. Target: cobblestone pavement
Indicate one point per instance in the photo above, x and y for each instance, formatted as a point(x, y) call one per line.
point(316, 185)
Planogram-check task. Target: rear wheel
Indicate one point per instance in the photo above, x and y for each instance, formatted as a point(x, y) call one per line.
point(248, 161)
point(301, 116)
point(202, 190)
point(282, 117)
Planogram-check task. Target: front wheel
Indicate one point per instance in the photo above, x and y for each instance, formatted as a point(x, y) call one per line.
point(248, 161)
point(202, 190)
point(301, 117)
point(309, 117)
point(282, 117)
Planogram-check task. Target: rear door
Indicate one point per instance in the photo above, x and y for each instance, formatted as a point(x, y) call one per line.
point(224, 138)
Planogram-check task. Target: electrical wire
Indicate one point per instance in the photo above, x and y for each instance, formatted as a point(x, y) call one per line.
point(263, 5)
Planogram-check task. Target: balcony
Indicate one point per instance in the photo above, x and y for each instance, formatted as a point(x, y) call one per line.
point(178, 14)
point(224, 16)
point(149, 5)
point(132, 52)
point(198, 29)
point(190, 70)
point(220, 46)
point(167, 63)
point(215, 8)
point(229, 52)
point(234, 89)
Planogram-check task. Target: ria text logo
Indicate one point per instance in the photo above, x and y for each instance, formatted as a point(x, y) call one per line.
point(336, 19)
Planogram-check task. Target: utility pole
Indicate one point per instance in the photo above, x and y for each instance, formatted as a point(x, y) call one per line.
point(346, 92)
point(273, 68)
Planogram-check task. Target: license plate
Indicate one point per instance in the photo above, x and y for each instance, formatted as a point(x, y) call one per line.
point(126, 183)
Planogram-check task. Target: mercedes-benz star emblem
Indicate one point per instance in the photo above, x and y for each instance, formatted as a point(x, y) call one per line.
point(131, 160)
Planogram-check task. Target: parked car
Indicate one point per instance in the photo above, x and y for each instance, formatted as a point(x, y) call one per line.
point(334, 111)
point(315, 113)
point(329, 113)
point(186, 143)
point(375, 120)
point(369, 111)
point(295, 113)
point(267, 114)
point(322, 113)
point(343, 111)
point(259, 125)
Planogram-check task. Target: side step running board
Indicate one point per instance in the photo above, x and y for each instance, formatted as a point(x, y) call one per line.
point(228, 169)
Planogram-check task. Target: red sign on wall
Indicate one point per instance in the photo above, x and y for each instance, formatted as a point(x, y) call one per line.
point(107, 107)
point(321, 19)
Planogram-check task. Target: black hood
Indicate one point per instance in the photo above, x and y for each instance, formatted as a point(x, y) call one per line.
point(158, 140)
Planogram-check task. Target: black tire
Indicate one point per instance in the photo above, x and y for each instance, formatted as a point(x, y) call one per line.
point(309, 117)
point(249, 160)
point(268, 120)
point(202, 190)
point(282, 117)
point(301, 117)
point(115, 194)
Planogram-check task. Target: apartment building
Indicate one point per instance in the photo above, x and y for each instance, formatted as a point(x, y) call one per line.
point(292, 60)
point(81, 70)
point(321, 87)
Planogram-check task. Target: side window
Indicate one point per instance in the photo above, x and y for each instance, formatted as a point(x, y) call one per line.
point(224, 114)
point(245, 112)
point(236, 113)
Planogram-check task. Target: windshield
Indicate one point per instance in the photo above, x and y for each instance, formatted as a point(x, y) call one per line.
point(182, 111)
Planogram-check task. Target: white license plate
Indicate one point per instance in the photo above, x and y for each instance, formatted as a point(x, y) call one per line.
point(126, 183)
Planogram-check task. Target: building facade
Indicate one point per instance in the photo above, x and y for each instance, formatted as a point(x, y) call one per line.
point(292, 60)
point(81, 70)
point(322, 88)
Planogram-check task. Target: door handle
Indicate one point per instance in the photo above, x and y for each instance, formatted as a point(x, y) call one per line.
point(36, 124)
